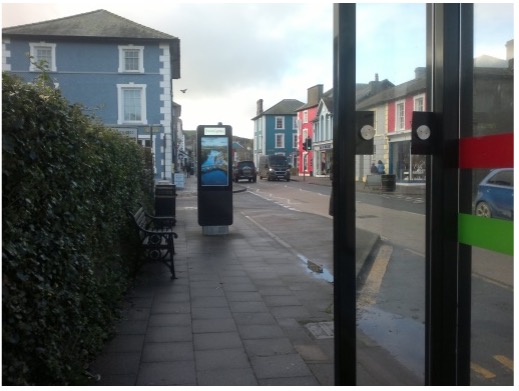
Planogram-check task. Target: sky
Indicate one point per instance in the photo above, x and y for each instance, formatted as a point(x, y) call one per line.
point(233, 54)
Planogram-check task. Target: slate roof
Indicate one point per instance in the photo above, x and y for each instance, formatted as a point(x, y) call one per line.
point(328, 100)
point(95, 24)
point(285, 107)
point(397, 92)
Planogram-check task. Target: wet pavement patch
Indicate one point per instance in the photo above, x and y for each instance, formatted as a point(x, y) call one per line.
point(321, 330)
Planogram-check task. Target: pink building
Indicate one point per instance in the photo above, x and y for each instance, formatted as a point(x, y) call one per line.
point(305, 119)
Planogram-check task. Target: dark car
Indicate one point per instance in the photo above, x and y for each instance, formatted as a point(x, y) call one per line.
point(495, 197)
point(245, 170)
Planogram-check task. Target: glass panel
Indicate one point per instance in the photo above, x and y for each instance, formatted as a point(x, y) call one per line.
point(132, 104)
point(390, 200)
point(131, 60)
point(44, 54)
point(492, 271)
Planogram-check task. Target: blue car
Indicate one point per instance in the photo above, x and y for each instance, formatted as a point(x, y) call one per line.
point(495, 196)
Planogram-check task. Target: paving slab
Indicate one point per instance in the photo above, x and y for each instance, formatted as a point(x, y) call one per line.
point(237, 315)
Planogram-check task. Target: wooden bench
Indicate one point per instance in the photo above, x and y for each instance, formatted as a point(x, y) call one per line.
point(158, 221)
point(156, 236)
point(373, 181)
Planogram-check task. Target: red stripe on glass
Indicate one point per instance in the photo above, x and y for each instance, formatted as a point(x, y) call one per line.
point(494, 151)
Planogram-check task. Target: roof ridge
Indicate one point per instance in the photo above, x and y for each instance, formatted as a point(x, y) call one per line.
point(53, 20)
point(104, 12)
point(131, 21)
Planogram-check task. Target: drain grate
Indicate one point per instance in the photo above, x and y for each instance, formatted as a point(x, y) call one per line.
point(321, 330)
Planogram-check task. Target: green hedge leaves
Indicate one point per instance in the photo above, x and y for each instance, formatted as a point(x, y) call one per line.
point(68, 250)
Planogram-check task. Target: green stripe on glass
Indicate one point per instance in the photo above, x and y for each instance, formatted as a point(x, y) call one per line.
point(492, 234)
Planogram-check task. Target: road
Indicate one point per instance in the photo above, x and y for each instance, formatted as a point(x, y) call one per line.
point(391, 302)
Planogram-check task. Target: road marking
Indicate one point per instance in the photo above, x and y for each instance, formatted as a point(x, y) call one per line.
point(371, 288)
point(482, 371)
point(505, 361)
point(492, 281)
point(420, 254)
point(271, 197)
point(322, 274)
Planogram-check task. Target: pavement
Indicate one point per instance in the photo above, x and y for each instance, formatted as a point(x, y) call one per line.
point(407, 188)
point(243, 311)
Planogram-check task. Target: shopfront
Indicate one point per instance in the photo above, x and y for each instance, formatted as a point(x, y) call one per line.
point(407, 167)
point(323, 157)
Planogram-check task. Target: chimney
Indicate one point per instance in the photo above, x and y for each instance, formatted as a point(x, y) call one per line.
point(510, 54)
point(314, 94)
point(510, 50)
point(259, 107)
point(419, 73)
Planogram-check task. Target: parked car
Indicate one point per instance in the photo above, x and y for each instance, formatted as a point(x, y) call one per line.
point(245, 170)
point(495, 197)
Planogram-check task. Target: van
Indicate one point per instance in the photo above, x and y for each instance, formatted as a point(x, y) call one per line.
point(274, 167)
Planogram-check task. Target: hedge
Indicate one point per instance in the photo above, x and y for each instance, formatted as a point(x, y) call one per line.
point(68, 251)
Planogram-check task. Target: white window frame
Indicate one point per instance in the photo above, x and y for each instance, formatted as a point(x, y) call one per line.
point(144, 142)
point(295, 137)
point(282, 119)
point(319, 129)
point(33, 47)
point(122, 59)
point(120, 102)
point(279, 140)
point(400, 120)
point(305, 116)
point(294, 123)
point(329, 127)
point(417, 99)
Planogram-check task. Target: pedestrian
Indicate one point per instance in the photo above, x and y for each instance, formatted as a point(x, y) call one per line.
point(374, 169)
point(381, 168)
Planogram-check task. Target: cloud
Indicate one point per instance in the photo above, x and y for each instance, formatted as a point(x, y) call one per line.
point(231, 46)
point(233, 54)
point(493, 27)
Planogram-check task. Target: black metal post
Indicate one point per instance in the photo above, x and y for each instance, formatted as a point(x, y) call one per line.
point(465, 194)
point(445, 301)
point(343, 196)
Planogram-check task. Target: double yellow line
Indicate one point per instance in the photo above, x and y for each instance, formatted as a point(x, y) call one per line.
point(503, 360)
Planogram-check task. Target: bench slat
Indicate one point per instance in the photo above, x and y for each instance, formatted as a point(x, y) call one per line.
point(157, 241)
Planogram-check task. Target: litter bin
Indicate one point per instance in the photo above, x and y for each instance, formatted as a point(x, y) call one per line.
point(388, 182)
point(165, 203)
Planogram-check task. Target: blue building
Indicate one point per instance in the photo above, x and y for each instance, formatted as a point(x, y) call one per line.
point(120, 72)
point(275, 130)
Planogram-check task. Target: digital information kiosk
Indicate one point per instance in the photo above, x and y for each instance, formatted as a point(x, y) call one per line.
point(214, 153)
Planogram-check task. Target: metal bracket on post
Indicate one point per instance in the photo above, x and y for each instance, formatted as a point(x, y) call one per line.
point(365, 132)
point(424, 133)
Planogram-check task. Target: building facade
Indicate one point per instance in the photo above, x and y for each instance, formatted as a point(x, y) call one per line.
point(275, 130)
point(367, 98)
point(119, 71)
point(393, 108)
point(305, 119)
point(322, 144)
